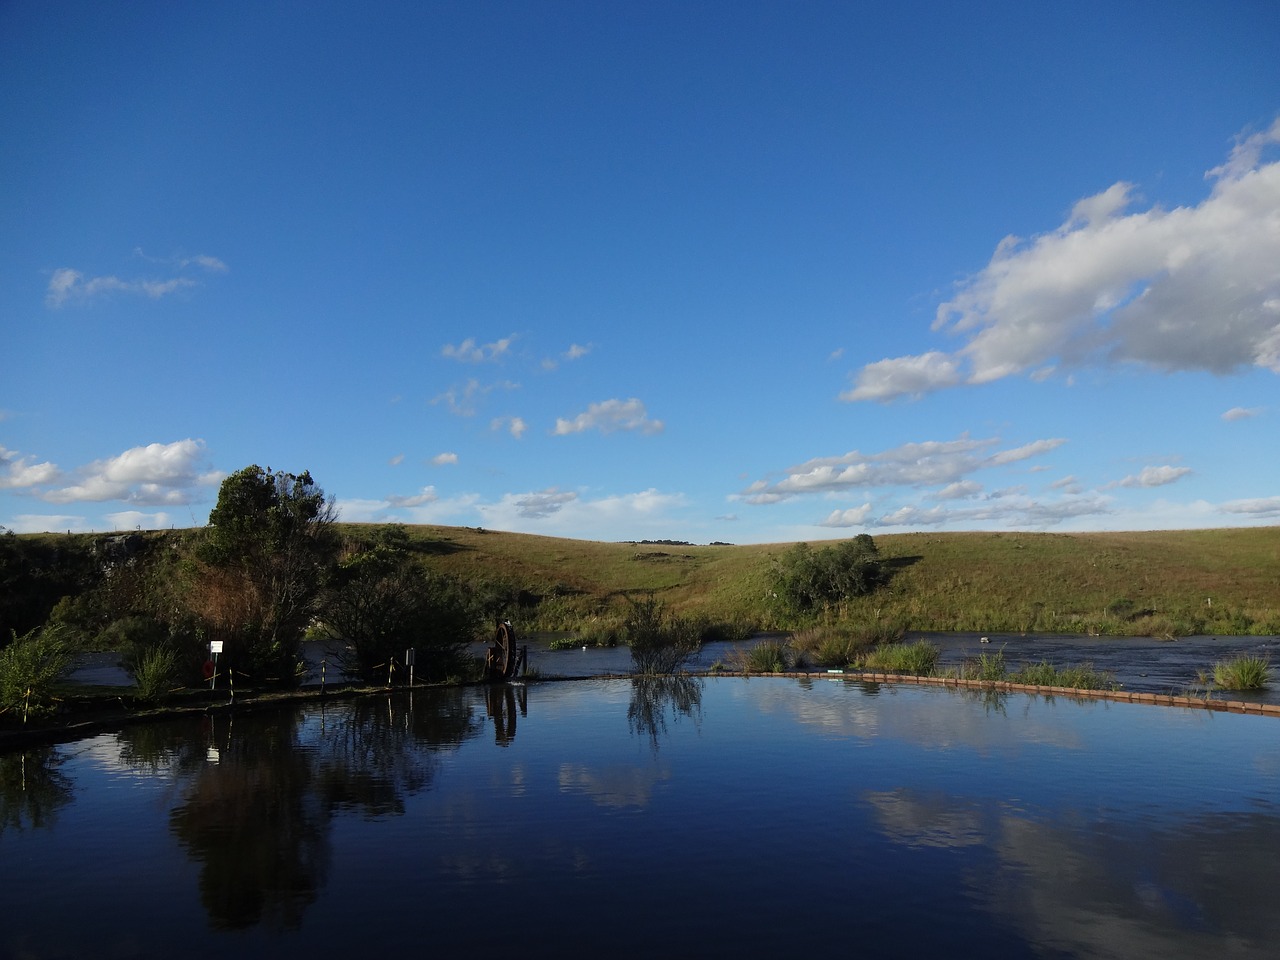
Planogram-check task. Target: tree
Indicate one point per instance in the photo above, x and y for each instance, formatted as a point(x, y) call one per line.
point(383, 601)
point(266, 554)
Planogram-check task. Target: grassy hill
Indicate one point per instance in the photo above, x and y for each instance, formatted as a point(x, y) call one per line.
point(1160, 583)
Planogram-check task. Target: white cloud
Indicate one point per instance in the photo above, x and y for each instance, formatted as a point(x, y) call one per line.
point(1241, 413)
point(17, 472)
point(931, 463)
point(41, 523)
point(852, 517)
point(1263, 507)
point(396, 460)
point(469, 352)
point(71, 286)
point(960, 490)
point(513, 425)
point(611, 415)
point(1154, 477)
point(1193, 288)
point(424, 496)
point(577, 351)
point(464, 400)
point(905, 376)
point(572, 514)
point(157, 474)
point(137, 520)
point(1010, 510)
point(542, 503)
point(443, 459)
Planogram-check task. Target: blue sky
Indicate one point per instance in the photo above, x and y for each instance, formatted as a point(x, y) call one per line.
point(734, 271)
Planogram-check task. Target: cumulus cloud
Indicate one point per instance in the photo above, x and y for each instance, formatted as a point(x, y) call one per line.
point(1241, 413)
point(960, 490)
point(1154, 477)
point(154, 475)
point(18, 472)
point(468, 351)
point(609, 416)
point(852, 517)
point(930, 463)
point(1193, 288)
point(67, 285)
point(441, 459)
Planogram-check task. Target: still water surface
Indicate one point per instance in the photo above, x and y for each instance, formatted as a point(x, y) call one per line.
point(761, 817)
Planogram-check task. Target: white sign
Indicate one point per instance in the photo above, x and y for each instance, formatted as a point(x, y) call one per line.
point(215, 646)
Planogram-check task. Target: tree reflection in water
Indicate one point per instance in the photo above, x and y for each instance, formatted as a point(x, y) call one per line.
point(259, 796)
point(32, 788)
point(653, 696)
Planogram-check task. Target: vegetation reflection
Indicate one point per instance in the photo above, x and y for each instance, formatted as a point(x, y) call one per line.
point(32, 788)
point(258, 796)
point(653, 697)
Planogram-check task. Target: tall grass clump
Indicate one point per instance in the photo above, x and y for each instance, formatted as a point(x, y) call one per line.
point(987, 666)
point(156, 672)
point(767, 656)
point(842, 645)
point(918, 658)
point(1242, 673)
point(30, 666)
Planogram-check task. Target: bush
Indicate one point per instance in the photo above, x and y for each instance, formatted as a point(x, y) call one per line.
point(29, 667)
point(659, 643)
point(809, 581)
point(1242, 673)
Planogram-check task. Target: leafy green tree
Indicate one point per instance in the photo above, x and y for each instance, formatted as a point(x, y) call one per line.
point(267, 551)
point(383, 600)
point(809, 581)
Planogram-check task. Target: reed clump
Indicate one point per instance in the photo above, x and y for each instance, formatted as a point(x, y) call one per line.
point(1245, 672)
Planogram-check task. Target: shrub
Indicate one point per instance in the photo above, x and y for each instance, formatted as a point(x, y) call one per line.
point(659, 643)
point(1242, 673)
point(29, 667)
point(808, 581)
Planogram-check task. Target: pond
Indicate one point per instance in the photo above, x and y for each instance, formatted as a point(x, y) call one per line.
point(760, 817)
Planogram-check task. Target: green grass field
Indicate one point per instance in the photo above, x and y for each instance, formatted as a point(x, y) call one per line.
point(1163, 583)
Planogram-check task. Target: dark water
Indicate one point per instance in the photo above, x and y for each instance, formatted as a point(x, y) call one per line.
point(763, 817)
point(1140, 664)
